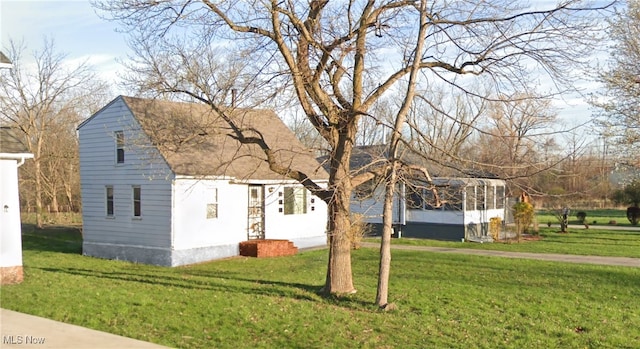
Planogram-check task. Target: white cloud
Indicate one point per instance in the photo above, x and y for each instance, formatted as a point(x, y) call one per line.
point(73, 25)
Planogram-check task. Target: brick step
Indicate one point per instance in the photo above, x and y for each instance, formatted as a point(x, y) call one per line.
point(267, 248)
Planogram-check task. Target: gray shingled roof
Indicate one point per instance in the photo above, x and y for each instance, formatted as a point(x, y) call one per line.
point(10, 141)
point(194, 140)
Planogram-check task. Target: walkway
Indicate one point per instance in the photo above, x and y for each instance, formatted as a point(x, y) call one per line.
point(619, 261)
point(20, 330)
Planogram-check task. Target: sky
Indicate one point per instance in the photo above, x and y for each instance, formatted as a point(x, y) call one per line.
point(79, 32)
point(75, 27)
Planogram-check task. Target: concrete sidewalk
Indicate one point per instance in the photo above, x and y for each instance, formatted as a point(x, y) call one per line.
point(20, 330)
point(617, 261)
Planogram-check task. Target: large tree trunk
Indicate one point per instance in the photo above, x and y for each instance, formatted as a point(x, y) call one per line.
point(385, 245)
point(339, 277)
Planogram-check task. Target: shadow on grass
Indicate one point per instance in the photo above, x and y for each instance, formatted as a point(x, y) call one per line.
point(223, 283)
point(62, 239)
point(68, 240)
point(219, 284)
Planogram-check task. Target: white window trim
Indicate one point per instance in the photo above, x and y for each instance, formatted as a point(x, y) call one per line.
point(133, 202)
point(118, 147)
point(213, 202)
point(306, 207)
point(106, 202)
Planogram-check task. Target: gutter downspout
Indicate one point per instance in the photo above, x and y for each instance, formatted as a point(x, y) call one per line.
point(21, 162)
point(21, 157)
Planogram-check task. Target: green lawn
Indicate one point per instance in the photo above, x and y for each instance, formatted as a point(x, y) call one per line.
point(597, 242)
point(594, 217)
point(444, 300)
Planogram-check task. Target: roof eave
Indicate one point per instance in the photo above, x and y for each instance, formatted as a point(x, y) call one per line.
point(16, 156)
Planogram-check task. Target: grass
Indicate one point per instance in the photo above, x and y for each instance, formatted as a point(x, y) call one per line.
point(595, 242)
point(66, 218)
point(444, 300)
point(594, 217)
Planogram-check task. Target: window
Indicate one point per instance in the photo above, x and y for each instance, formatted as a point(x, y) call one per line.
point(421, 199)
point(119, 135)
point(109, 197)
point(137, 200)
point(295, 200)
point(451, 198)
point(471, 198)
point(491, 197)
point(481, 197)
point(212, 207)
point(415, 199)
point(500, 197)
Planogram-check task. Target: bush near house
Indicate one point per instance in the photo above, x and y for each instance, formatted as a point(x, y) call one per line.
point(630, 194)
point(495, 227)
point(523, 214)
point(633, 215)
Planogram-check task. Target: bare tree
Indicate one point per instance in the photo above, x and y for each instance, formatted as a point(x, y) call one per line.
point(46, 102)
point(511, 144)
point(306, 133)
point(441, 126)
point(341, 58)
point(620, 101)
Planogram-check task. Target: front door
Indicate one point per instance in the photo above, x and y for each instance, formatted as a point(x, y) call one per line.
point(256, 212)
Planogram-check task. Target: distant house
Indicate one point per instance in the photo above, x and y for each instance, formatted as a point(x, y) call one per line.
point(165, 183)
point(452, 208)
point(13, 154)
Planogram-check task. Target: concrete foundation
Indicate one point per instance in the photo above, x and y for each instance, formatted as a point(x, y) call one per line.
point(159, 256)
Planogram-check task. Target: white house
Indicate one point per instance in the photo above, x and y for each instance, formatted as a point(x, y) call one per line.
point(12, 155)
point(440, 208)
point(165, 183)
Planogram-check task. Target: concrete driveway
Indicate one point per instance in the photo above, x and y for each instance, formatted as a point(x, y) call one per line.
point(20, 330)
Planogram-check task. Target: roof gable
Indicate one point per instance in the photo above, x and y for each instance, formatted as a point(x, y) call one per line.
point(10, 142)
point(5, 62)
point(196, 141)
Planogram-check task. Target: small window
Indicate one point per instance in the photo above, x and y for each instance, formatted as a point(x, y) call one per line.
point(480, 198)
point(295, 200)
point(491, 197)
point(109, 199)
point(429, 198)
point(500, 197)
point(137, 201)
point(415, 200)
point(451, 198)
point(471, 198)
point(212, 207)
point(119, 135)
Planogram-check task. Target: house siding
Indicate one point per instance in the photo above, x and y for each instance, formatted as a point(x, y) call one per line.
point(173, 228)
point(434, 223)
point(10, 231)
point(193, 229)
point(304, 230)
point(372, 208)
point(143, 167)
